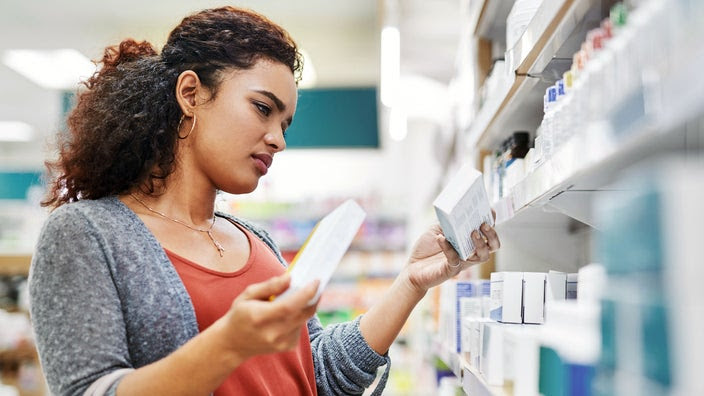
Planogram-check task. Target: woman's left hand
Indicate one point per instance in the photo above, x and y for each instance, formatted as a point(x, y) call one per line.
point(433, 260)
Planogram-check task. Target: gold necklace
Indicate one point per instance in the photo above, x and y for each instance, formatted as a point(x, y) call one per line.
point(209, 231)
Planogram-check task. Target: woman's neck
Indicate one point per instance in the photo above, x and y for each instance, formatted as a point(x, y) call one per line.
point(182, 198)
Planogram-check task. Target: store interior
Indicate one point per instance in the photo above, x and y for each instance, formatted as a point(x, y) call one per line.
point(585, 117)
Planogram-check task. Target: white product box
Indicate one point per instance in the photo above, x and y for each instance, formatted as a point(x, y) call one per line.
point(571, 289)
point(323, 249)
point(491, 362)
point(452, 294)
point(556, 286)
point(506, 297)
point(475, 341)
point(592, 278)
point(483, 287)
point(470, 307)
point(462, 291)
point(466, 335)
point(534, 297)
point(461, 207)
point(522, 359)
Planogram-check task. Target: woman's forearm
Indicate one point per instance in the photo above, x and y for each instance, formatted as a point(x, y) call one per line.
point(196, 368)
point(382, 323)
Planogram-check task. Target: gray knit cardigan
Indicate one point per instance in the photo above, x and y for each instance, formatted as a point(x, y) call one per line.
point(106, 300)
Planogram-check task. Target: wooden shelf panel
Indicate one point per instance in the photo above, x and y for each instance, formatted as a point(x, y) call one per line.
point(15, 264)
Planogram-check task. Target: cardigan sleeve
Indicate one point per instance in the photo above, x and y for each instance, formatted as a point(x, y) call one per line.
point(344, 363)
point(75, 309)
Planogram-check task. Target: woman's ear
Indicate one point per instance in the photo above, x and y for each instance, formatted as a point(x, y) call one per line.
point(187, 87)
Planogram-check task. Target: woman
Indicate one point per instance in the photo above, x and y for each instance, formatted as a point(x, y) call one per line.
point(139, 287)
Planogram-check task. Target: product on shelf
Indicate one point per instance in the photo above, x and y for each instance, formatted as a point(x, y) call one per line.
point(651, 314)
point(507, 297)
point(518, 19)
point(569, 348)
point(507, 166)
point(555, 286)
point(534, 297)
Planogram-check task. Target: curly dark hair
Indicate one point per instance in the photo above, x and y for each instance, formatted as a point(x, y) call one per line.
point(123, 130)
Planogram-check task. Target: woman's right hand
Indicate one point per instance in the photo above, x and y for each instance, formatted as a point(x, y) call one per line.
point(256, 325)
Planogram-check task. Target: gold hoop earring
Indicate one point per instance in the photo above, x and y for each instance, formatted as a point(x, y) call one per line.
point(192, 127)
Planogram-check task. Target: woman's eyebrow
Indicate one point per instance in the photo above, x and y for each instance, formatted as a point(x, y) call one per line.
point(279, 104)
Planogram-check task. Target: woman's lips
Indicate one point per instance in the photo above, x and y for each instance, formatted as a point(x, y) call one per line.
point(262, 162)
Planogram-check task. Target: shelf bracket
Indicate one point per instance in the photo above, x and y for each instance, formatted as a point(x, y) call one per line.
point(579, 204)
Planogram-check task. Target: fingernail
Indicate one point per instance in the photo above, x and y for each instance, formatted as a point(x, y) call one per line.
point(485, 227)
point(475, 235)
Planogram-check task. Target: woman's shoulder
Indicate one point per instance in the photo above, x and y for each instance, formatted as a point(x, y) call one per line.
point(258, 231)
point(104, 213)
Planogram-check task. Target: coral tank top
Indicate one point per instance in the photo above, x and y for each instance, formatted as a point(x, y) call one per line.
point(212, 293)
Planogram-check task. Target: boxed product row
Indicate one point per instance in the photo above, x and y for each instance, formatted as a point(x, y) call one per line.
point(509, 297)
point(502, 327)
point(557, 358)
point(528, 358)
point(519, 297)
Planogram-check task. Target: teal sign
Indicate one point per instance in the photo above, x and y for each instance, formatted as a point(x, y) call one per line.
point(14, 185)
point(335, 118)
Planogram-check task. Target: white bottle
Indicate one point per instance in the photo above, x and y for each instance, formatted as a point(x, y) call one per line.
point(546, 127)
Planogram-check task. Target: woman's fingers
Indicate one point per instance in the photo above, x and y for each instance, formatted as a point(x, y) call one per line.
point(491, 237)
point(481, 249)
point(450, 253)
point(299, 299)
point(270, 287)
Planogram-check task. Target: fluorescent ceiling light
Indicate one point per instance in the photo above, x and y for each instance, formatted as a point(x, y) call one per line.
point(390, 65)
point(308, 76)
point(54, 69)
point(398, 124)
point(15, 131)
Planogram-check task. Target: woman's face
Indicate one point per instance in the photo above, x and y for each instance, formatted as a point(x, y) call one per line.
point(238, 132)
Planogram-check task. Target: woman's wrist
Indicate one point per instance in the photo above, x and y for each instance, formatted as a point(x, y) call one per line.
point(230, 356)
point(409, 288)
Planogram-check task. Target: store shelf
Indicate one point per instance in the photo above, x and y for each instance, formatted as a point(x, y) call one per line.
point(664, 114)
point(473, 382)
point(14, 264)
point(554, 24)
point(569, 187)
point(539, 57)
point(24, 352)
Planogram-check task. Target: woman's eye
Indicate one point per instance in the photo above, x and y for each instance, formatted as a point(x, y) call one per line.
point(264, 109)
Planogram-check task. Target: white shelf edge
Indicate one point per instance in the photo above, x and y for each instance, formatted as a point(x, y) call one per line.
point(473, 383)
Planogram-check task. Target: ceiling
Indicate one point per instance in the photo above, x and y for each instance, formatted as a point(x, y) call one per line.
point(341, 37)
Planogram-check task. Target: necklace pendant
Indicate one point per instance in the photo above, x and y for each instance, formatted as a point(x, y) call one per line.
point(217, 244)
point(221, 250)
